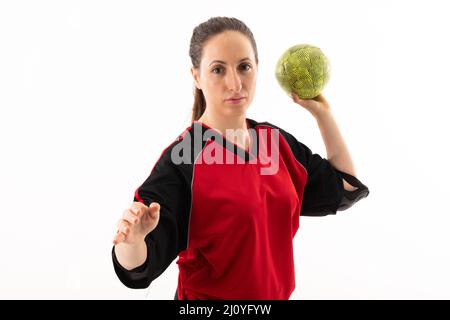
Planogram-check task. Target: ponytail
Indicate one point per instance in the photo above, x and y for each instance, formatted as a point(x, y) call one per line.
point(199, 104)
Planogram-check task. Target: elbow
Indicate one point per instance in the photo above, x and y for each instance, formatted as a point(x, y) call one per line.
point(349, 198)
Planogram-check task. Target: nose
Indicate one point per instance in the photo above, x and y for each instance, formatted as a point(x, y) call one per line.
point(233, 81)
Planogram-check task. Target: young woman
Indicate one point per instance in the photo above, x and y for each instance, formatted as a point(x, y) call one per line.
point(226, 204)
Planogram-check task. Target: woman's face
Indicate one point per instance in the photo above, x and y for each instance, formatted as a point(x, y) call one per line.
point(227, 70)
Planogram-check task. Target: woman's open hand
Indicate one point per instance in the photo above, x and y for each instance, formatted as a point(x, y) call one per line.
point(136, 223)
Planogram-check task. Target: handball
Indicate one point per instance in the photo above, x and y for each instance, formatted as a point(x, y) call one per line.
point(303, 69)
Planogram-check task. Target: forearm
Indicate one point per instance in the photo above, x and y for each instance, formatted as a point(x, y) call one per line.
point(131, 256)
point(337, 151)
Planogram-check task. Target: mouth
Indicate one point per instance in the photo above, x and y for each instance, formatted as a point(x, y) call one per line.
point(235, 99)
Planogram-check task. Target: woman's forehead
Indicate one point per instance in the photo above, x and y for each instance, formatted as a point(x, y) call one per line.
point(229, 47)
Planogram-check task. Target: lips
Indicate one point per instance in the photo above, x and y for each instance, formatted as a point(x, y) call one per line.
point(235, 99)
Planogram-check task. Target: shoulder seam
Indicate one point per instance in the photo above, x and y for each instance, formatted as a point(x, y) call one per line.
point(268, 124)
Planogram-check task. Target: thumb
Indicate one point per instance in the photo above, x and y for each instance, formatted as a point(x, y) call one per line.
point(154, 208)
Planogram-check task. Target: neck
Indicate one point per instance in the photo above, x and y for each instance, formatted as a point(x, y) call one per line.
point(221, 123)
point(237, 126)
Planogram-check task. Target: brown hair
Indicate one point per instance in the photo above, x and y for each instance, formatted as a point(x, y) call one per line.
point(200, 35)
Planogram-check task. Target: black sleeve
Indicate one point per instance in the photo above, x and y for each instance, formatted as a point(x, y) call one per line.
point(324, 190)
point(166, 186)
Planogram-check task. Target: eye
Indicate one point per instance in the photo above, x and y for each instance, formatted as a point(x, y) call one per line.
point(217, 68)
point(246, 65)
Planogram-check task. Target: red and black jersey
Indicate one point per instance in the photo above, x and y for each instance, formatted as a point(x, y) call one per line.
point(231, 223)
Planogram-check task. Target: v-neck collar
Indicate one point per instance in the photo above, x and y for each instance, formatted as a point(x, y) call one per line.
point(251, 153)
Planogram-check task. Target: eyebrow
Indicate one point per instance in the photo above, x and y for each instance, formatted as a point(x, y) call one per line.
point(223, 62)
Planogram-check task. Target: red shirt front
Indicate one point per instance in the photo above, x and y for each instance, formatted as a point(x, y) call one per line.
point(230, 214)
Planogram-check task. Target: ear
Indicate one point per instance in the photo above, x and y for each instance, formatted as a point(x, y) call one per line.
point(196, 77)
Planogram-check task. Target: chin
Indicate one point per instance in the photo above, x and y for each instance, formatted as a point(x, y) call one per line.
point(235, 110)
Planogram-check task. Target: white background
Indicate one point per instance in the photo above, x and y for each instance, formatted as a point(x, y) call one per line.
point(91, 92)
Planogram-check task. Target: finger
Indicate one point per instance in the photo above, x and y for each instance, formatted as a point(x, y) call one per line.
point(124, 229)
point(118, 238)
point(154, 209)
point(320, 98)
point(129, 216)
point(123, 220)
point(296, 98)
point(138, 208)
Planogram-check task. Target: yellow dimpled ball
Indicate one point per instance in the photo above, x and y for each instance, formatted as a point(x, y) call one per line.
point(303, 69)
